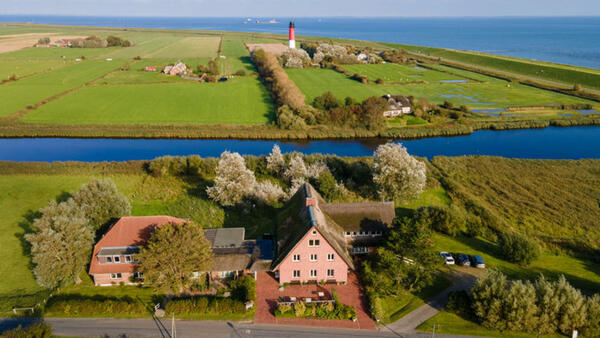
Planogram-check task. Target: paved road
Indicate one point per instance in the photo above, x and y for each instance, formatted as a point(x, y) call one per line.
point(133, 328)
point(462, 279)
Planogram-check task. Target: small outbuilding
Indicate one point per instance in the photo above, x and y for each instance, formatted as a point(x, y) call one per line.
point(398, 105)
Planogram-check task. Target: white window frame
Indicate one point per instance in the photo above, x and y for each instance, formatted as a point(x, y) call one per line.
point(116, 275)
point(117, 259)
point(330, 273)
point(138, 275)
point(314, 243)
point(296, 258)
point(313, 273)
point(330, 257)
point(296, 274)
point(108, 259)
point(314, 257)
point(347, 233)
point(128, 259)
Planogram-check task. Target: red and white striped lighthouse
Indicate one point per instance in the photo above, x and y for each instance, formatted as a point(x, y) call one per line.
point(292, 35)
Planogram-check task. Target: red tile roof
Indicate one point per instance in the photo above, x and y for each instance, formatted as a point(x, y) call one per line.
point(128, 231)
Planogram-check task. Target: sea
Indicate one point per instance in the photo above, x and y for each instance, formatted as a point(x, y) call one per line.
point(566, 40)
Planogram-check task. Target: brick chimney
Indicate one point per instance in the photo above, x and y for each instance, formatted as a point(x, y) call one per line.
point(312, 201)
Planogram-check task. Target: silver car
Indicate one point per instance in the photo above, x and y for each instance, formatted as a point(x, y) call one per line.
point(448, 259)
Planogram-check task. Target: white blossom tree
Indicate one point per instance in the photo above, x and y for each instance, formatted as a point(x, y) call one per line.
point(269, 192)
point(296, 169)
point(397, 173)
point(234, 180)
point(315, 169)
point(275, 161)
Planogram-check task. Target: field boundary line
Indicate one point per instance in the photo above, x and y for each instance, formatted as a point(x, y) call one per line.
point(19, 114)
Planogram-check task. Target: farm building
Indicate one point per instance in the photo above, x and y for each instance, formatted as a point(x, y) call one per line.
point(150, 68)
point(398, 105)
point(178, 68)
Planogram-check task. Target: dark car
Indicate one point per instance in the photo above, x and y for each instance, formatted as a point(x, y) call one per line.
point(463, 260)
point(477, 261)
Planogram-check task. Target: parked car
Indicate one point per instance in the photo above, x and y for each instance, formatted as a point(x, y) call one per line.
point(477, 261)
point(462, 260)
point(447, 258)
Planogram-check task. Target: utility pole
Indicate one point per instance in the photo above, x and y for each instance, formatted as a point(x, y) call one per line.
point(173, 328)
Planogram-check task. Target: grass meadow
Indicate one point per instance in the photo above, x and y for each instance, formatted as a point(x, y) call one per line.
point(553, 72)
point(18, 95)
point(237, 101)
point(493, 93)
point(395, 73)
point(22, 68)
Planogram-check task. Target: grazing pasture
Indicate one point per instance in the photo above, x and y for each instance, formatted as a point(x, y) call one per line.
point(391, 72)
point(22, 68)
point(16, 96)
point(548, 71)
point(238, 101)
point(495, 93)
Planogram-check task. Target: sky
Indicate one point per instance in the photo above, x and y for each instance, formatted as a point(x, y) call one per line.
point(303, 8)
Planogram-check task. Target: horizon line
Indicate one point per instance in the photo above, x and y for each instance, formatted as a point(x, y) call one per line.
point(306, 16)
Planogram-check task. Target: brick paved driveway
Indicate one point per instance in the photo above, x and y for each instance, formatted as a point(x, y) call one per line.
point(352, 293)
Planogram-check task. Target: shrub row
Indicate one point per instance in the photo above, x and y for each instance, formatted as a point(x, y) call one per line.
point(79, 305)
point(204, 305)
point(72, 168)
point(282, 88)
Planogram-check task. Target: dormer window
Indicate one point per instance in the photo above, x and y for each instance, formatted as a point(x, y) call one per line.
point(109, 259)
point(116, 259)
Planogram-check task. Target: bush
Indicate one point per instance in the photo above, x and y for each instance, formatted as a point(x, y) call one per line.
point(168, 165)
point(284, 308)
point(519, 249)
point(327, 101)
point(379, 81)
point(299, 309)
point(37, 330)
point(449, 221)
point(79, 305)
point(243, 289)
point(195, 305)
point(283, 89)
point(240, 72)
point(376, 308)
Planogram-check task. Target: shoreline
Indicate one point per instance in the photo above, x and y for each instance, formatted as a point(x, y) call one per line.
point(265, 132)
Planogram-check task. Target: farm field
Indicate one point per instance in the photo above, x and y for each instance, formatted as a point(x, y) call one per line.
point(237, 101)
point(18, 95)
point(22, 68)
point(391, 72)
point(495, 93)
point(543, 70)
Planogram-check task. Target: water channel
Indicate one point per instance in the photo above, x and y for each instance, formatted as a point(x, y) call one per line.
point(547, 143)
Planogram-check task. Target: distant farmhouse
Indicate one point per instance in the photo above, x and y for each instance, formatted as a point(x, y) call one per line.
point(176, 69)
point(398, 105)
point(316, 241)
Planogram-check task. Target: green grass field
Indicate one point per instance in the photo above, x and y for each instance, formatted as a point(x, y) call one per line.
point(18, 95)
point(494, 93)
point(391, 72)
point(548, 71)
point(56, 54)
point(237, 101)
point(22, 68)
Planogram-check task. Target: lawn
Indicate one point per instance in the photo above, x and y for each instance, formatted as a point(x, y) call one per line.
point(395, 73)
point(237, 101)
point(69, 54)
point(159, 46)
point(314, 82)
point(18, 95)
point(581, 273)
point(450, 323)
point(398, 307)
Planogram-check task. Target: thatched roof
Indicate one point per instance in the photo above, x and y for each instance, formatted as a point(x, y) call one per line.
point(231, 262)
point(297, 218)
point(372, 216)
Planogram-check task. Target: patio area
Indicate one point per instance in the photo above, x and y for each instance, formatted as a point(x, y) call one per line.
point(268, 296)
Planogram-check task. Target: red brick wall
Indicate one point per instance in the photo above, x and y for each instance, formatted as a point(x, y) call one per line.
point(104, 279)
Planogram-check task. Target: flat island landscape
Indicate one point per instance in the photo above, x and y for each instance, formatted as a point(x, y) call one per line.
point(224, 178)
